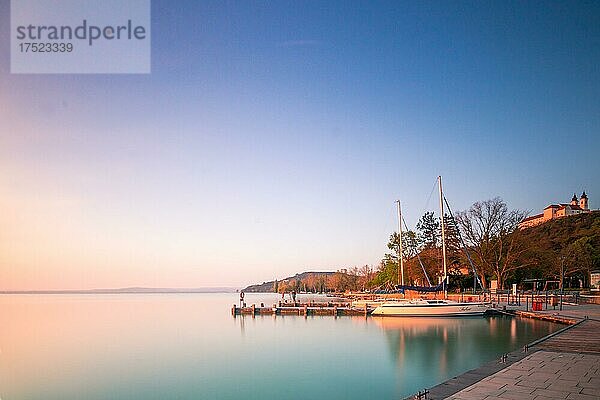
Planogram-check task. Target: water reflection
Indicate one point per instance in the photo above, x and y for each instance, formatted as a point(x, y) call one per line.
point(190, 347)
point(435, 346)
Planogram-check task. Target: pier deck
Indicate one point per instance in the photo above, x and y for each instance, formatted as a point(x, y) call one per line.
point(334, 309)
point(583, 338)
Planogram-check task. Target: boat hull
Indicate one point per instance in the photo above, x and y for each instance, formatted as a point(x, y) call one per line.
point(430, 310)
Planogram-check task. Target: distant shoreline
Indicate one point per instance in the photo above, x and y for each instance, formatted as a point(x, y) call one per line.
point(126, 291)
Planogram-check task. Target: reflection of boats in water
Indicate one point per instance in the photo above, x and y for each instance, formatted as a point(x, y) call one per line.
point(421, 325)
point(420, 307)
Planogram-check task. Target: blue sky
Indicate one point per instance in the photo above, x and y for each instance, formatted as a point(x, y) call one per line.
point(274, 138)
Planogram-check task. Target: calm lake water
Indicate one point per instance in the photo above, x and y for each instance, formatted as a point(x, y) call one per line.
point(188, 346)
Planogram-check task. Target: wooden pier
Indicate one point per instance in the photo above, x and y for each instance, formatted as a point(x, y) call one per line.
point(545, 317)
point(305, 309)
point(582, 338)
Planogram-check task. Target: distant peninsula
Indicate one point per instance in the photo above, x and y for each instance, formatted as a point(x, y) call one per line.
point(127, 290)
point(310, 280)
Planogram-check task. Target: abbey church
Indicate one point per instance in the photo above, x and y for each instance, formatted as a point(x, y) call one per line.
point(576, 206)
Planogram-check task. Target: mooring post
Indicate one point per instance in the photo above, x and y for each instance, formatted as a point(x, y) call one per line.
point(335, 310)
point(253, 309)
point(233, 310)
point(305, 310)
point(366, 312)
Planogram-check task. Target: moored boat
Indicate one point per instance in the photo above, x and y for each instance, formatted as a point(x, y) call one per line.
point(428, 307)
point(431, 308)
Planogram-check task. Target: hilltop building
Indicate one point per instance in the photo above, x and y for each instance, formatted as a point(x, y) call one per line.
point(576, 206)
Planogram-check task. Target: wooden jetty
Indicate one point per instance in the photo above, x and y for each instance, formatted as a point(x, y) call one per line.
point(545, 317)
point(305, 309)
point(581, 338)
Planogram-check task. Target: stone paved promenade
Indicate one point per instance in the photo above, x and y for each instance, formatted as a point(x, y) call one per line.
point(566, 366)
point(540, 376)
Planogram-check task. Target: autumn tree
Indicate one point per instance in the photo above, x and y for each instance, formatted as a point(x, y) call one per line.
point(365, 277)
point(490, 230)
point(576, 258)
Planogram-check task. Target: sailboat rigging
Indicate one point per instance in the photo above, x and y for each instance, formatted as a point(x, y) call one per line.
point(424, 307)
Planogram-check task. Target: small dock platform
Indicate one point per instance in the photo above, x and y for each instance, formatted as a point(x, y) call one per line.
point(303, 309)
point(546, 317)
point(582, 338)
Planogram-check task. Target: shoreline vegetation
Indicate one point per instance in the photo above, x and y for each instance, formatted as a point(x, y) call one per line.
point(563, 252)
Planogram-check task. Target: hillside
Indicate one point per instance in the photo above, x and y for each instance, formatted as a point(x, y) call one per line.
point(573, 242)
point(291, 281)
point(561, 231)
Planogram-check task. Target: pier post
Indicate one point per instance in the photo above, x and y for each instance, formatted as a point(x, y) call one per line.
point(335, 311)
point(253, 310)
point(305, 310)
point(233, 310)
point(366, 312)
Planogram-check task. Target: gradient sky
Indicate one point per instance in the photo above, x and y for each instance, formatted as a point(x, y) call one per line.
point(273, 137)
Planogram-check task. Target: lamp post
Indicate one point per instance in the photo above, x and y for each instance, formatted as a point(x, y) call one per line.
point(562, 280)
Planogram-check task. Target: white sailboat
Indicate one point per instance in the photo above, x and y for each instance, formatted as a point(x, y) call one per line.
point(430, 308)
point(424, 307)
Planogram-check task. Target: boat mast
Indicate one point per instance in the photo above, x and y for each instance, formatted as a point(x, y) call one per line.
point(443, 235)
point(400, 258)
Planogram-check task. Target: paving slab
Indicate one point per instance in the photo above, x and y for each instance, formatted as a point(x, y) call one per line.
point(571, 384)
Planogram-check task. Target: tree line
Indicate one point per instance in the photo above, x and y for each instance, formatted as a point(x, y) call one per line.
point(352, 279)
point(485, 238)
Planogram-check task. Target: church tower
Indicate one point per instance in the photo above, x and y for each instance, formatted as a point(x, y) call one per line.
point(583, 202)
point(574, 200)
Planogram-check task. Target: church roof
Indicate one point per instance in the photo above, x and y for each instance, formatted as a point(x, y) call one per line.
point(563, 205)
point(532, 217)
point(572, 206)
point(583, 195)
point(574, 197)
